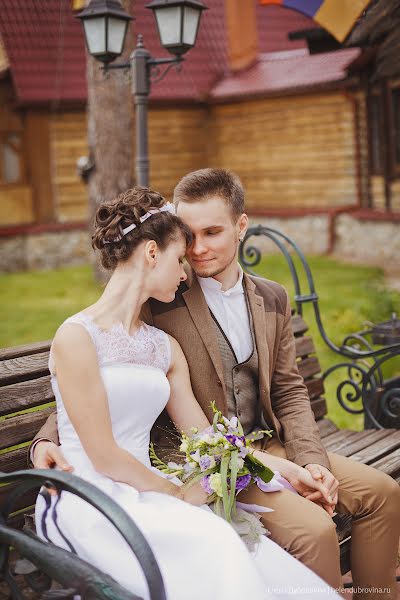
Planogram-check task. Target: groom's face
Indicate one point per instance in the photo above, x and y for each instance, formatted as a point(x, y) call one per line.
point(215, 235)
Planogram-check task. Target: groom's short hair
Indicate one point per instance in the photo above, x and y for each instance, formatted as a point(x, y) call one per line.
point(206, 183)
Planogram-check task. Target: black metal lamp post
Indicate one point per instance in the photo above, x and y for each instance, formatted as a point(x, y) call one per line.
point(105, 24)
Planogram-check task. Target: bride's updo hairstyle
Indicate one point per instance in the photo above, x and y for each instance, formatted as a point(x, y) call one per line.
point(126, 210)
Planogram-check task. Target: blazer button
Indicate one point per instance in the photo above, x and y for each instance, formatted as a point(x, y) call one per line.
point(219, 382)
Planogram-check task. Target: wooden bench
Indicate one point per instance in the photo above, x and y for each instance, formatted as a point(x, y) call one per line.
point(26, 400)
point(25, 385)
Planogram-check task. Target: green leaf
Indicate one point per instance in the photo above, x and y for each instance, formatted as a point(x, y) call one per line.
point(215, 421)
point(224, 484)
point(234, 472)
point(256, 467)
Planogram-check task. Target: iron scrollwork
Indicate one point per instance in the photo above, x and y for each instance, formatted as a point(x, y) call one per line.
point(43, 563)
point(363, 364)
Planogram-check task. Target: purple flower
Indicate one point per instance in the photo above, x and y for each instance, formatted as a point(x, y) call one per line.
point(233, 439)
point(242, 482)
point(206, 462)
point(205, 484)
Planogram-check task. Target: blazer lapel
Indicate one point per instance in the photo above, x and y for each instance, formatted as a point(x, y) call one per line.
point(200, 314)
point(256, 304)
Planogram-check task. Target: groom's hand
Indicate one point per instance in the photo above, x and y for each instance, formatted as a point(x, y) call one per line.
point(322, 474)
point(46, 455)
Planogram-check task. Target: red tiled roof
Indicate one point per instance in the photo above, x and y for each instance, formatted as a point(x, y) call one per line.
point(274, 23)
point(45, 46)
point(288, 70)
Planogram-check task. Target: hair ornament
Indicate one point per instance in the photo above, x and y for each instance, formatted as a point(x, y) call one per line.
point(168, 207)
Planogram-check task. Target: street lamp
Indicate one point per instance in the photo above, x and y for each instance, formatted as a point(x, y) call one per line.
point(105, 23)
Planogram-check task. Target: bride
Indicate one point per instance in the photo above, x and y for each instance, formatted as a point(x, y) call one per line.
point(112, 376)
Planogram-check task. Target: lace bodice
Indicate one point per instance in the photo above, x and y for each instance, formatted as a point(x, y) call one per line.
point(147, 346)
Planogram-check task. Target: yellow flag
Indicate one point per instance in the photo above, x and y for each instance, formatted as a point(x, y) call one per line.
point(339, 16)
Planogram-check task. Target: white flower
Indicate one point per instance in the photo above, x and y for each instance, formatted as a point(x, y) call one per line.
point(184, 446)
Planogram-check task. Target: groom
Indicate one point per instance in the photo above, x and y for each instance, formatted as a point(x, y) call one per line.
point(235, 331)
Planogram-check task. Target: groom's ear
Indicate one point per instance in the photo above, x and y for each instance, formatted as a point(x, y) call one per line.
point(151, 252)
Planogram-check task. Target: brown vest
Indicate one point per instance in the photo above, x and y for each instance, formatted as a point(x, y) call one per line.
point(241, 382)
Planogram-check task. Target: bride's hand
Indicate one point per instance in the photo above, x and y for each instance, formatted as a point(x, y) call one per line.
point(195, 494)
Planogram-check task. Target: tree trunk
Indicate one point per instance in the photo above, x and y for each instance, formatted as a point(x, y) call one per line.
point(110, 122)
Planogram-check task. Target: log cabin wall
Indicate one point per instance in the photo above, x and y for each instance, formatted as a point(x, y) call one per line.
point(290, 152)
point(177, 145)
point(179, 140)
point(68, 141)
point(16, 195)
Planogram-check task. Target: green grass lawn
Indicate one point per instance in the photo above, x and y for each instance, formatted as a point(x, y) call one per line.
point(32, 305)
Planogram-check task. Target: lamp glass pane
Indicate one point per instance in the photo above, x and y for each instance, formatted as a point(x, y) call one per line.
point(190, 24)
point(169, 24)
point(116, 35)
point(95, 32)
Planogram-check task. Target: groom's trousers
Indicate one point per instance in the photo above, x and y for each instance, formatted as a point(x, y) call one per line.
point(306, 531)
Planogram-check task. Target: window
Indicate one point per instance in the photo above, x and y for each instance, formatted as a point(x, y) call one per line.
point(11, 169)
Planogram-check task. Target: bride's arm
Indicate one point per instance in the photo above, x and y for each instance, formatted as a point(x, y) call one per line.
point(85, 400)
point(182, 406)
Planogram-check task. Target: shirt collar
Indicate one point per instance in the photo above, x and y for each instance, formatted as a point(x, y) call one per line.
point(209, 284)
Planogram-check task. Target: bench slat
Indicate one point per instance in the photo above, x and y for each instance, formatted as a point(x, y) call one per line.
point(14, 460)
point(23, 501)
point(326, 427)
point(319, 408)
point(363, 442)
point(26, 394)
point(22, 428)
point(299, 326)
point(389, 464)
point(346, 437)
point(23, 368)
point(379, 449)
point(315, 387)
point(304, 346)
point(25, 350)
point(309, 366)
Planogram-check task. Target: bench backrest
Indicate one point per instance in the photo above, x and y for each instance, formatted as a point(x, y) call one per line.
point(26, 399)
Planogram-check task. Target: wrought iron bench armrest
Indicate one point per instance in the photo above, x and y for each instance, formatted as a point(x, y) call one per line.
point(39, 551)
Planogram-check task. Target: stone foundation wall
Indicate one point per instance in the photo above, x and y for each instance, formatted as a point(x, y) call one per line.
point(368, 242)
point(310, 233)
point(44, 250)
point(358, 241)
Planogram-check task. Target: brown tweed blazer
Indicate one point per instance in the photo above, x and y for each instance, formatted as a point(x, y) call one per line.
point(283, 395)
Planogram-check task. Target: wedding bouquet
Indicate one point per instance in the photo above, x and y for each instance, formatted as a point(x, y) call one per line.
point(221, 458)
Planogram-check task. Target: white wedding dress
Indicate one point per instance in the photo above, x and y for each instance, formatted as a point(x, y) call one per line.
point(200, 555)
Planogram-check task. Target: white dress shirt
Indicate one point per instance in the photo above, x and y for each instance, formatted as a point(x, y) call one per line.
point(229, 307)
